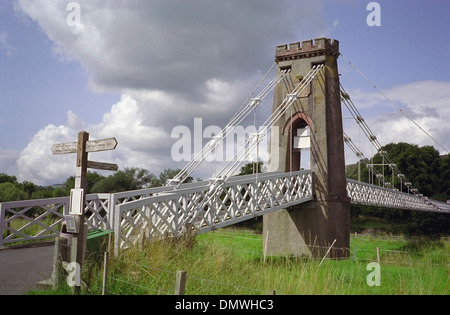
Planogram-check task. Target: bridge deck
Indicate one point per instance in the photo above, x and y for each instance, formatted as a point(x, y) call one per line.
point(372, 195)
point(208, 207)
point(203, 206)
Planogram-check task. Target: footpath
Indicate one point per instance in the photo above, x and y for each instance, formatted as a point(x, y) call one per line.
point(22, 268)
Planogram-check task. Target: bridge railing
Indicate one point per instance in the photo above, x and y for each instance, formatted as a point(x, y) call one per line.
point(40, 219)
point(371, 195)
point(33, 220)
point(204, 207)
point(163, 210)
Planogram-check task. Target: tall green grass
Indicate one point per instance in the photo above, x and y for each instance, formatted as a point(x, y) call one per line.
point(231, 262)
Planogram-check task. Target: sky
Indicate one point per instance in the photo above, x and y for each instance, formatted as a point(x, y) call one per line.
point(137, 69)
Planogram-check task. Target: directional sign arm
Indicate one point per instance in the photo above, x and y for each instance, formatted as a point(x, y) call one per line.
point(101, 145)
point(91, 146)
point(102, 166)
point(65, 148)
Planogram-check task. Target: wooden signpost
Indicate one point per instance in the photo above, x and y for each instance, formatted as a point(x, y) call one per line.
point(78, 195)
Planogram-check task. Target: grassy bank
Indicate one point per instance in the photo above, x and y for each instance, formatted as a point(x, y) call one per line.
point(231, 262)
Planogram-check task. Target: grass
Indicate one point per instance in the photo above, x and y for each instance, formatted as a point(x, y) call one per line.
point(231, 262)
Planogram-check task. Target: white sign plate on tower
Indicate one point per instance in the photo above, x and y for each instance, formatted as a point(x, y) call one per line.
point(303, 141)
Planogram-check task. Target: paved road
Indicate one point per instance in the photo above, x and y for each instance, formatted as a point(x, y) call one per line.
point(21, 269)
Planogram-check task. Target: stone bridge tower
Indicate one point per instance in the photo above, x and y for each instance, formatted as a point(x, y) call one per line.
point(309, 229)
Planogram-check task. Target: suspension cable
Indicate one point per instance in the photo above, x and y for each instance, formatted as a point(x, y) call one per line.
point(345, 97)
point(254, 139)
point(245, 109)
point(392, 103)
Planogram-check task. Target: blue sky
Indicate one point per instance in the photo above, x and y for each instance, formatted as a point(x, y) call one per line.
point(38, 88)
point(136, 69)
point(410, 45)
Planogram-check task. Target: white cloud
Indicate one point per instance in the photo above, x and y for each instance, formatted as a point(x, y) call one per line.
point(175, 60)
point(5, 44)
point(124, 121)
point(335, 24)
point(172, 61)
point(424, 102)
point(73, 121)
point(427, 104)
point(37, 163)
point(8, 160)
point(142, 122)
point(174, 45)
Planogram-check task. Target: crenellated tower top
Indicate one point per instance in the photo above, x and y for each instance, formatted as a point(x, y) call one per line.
point(307, 49)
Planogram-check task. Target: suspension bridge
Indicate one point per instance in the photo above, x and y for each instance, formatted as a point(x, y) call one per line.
point(305, 210)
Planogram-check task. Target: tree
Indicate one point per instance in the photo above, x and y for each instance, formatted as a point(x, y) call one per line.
point(5, 178)
point(142, 177)
point(42, 193)
point(444, 171)
point(427, 171)
point(11, 192)
point(166, 175)
point(91, 179)
point(59, 192)
point(69, 184)
point(429, 224)
point(29, 188)
point(120, 181)
point(251, 168)
point(131, 179)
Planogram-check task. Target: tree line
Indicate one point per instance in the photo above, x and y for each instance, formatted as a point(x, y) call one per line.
point(125, 180)
point(427, 171)
point(133, 178)
point(423, 166)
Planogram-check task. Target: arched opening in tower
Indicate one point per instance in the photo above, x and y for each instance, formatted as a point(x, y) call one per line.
point(298, 129)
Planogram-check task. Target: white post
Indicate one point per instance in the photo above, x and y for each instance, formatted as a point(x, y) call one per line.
point(180, 285)
point(105, 272)
point(111, 208)
point(265, 245)
point(117, 221)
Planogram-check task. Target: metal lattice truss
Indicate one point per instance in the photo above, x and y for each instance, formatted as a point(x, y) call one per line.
point(201, 206)
point(204, 207)
point(371, 195)
point(207, 206)
point(31, 220)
